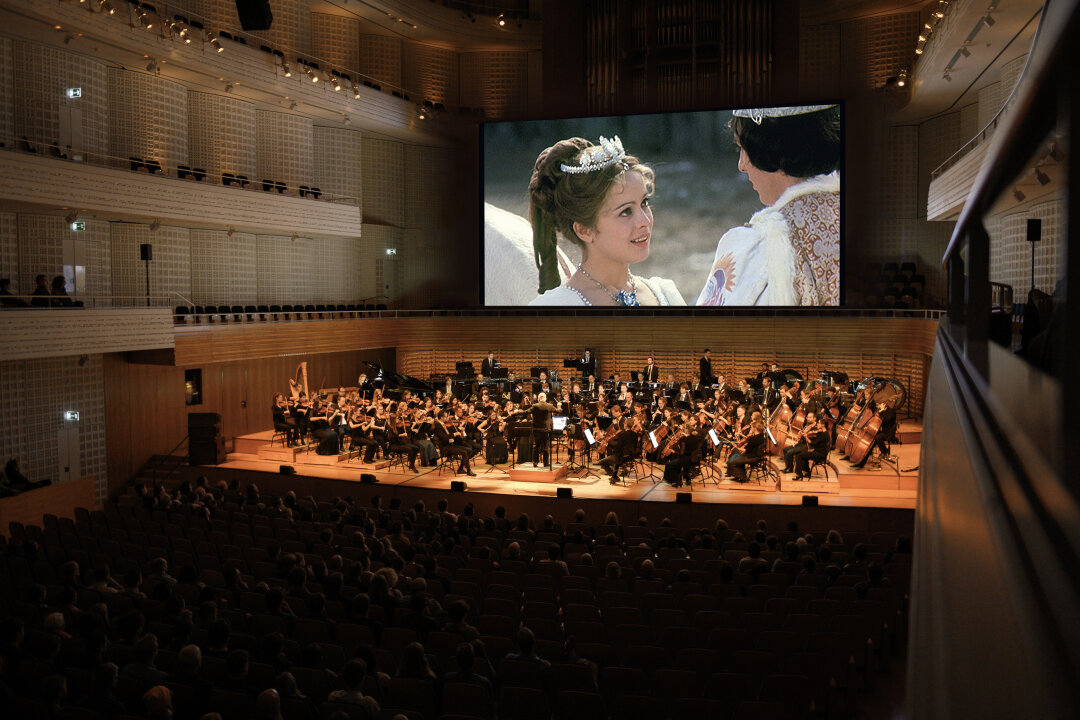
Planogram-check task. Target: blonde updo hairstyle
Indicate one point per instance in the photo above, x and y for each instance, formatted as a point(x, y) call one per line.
point(558, 199)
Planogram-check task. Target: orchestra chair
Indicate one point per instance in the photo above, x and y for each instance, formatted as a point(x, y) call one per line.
point(399, 458)
point(447, 462)
point(278, 435)
point(761, 470)
point(825, 466)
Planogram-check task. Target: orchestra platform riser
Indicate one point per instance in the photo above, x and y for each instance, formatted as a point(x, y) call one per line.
point(523, 473)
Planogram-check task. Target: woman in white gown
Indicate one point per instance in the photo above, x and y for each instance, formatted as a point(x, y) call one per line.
point(789, 252)
point(596, 197)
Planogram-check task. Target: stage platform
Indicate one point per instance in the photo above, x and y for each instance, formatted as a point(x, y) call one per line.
point(893, 485)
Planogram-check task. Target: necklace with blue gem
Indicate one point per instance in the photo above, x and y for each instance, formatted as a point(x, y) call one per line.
point(623, 298)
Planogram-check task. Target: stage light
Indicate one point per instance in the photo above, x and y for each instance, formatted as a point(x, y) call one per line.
point(988, 20)
point(229, 87)
point(918, 51)
point(336, 85)
point(1041, 177)
point(144, 18)
point(901, 81)
point(964, 51)
point(356, 91)
point(502, 21)
point(214, 42)
point(311, 74)
point(152, 66)
point(286, 69)
point(947, 76)
point(1020, 197)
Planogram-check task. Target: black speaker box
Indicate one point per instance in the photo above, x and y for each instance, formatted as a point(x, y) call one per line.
point(146, 251)
point(809, 500)
point(254, 14)
point(206, 452)
point(203, 433)
point(368, 479)
point(564, 492)
point(287, 470)
point(684, 498)
point(457, 486)
point(203, 419)
point(1034, 230)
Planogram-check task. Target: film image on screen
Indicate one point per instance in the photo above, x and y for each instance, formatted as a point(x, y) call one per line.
point(735, 207)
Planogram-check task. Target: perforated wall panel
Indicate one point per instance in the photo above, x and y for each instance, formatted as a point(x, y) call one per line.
point(7, 93)
point(383, 182)
point(9, 251)
point(337, 163)
point(43, 113)
point(380, 58)
point(149, 118)
point(882, 45)
point(41, 248)
point(223, 269)
point(170, 270)
point(432, 72)
point(283, 148)
point(1010, 253)
point(496, 82)
point(336, 39)
point(221, 135)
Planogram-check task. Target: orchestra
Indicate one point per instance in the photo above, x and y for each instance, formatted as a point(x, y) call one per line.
point(711, 420)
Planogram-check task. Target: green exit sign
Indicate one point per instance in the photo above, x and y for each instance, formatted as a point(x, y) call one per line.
point(78, 226)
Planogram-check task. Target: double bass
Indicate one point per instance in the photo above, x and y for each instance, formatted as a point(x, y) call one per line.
point(779, 422)
point(861, 441)
point(852, 418)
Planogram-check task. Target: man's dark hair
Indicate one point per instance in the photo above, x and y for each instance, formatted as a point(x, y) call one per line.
point(798, 145)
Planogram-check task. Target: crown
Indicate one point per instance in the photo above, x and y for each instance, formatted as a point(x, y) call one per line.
point(757, 114)
point(597, 157)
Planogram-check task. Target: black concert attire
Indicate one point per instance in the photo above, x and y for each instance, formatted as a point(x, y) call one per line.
point(541, 423)
point(401, 442)
point(677, 465)
point(753, 451)
point(422, 437)
point(487, 368)
point(587, 365)
point(362, 437)
point(326, 435)
point(650, 374)
point(705, 371)
point(448, 445)
point(770, 398)
point(498, 449)
point(620, 449)
point(818, 450)
point(9, 300)
point(282, 424)
point(885, 433)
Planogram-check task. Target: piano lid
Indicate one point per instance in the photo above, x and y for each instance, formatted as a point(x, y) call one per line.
point(392, 381)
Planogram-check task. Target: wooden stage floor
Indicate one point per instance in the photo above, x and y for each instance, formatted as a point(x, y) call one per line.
point(894, 485)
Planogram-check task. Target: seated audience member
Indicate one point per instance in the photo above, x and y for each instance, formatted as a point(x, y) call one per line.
point(352, 678)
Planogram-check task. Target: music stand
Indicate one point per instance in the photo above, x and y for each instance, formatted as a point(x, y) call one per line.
point(465, 370)
point(587, 435)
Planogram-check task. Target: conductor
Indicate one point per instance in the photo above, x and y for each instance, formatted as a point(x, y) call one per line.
point(541, 423)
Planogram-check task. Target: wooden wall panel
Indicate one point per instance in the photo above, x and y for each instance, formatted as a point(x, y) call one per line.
point(60, 500)
point(145, 414)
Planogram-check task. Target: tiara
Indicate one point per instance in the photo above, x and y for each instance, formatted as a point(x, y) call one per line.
point(757, 114)
point(597, 157)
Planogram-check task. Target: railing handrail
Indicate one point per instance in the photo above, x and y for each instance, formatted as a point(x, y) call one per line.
point(127, 302)
point(50, 150)
point(1020, 131)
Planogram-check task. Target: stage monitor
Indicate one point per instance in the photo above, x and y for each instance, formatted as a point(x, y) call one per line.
point(735, 207)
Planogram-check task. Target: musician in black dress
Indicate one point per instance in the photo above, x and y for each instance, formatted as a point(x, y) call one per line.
point(445, 440)
point(749, 451)
point(815, 446)
point(705, 375)
point(686, 454)
point(400, 438)
point(620, 448)
point(360, 428)
point(284, 422)
point(322, 420)
point(300, 410)
point(802, 441)
point(541, 423)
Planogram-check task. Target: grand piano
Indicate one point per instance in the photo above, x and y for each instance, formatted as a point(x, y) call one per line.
point(393, 383)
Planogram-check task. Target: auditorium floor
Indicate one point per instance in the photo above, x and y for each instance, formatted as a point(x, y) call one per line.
point(892, 486)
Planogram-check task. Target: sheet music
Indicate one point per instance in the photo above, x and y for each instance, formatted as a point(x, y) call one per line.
point(589, 436)
point(652, 439)
point(713, 437)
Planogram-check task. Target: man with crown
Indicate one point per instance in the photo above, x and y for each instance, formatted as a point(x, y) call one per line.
point(789, 252)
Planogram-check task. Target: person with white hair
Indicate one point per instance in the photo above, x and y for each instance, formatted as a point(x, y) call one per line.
point(541, 423)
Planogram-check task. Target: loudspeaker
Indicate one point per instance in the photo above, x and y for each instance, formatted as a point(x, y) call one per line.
point(809, 500)
point(564, 492)
point(457, 486)
point(206, 452)
point(684, 498)
point(254, 14)
point(146, 251)
point(198, 433)
point(287, 470)
point(203, 419)
point(368, 479)
point(1034, 230)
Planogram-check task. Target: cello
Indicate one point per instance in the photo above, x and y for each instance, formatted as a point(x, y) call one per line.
point(862, 441)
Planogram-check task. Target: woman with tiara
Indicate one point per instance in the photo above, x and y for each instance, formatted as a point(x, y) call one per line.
point(789, 252)
point(596, 197)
